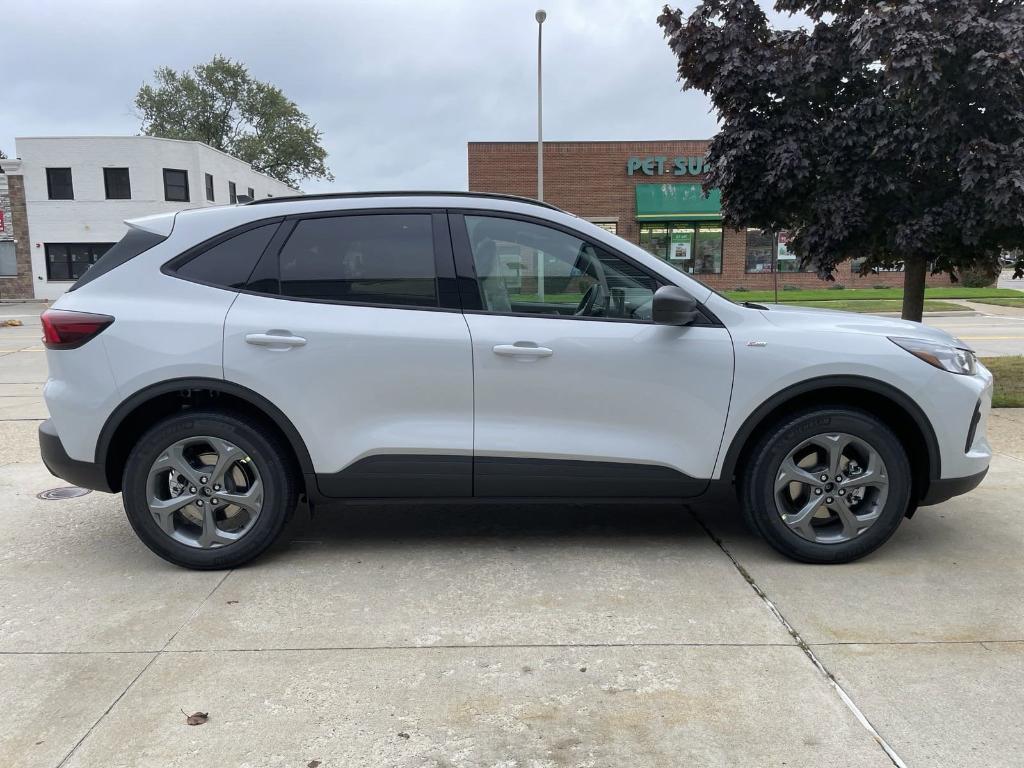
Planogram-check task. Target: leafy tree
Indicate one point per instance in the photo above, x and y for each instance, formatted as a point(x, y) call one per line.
point(890, 130)
point(220, 104)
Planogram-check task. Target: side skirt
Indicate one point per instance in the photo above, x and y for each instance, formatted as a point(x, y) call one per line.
point(399, 476)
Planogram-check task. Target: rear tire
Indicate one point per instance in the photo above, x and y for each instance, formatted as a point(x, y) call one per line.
point(830, 484)
point(221, 518)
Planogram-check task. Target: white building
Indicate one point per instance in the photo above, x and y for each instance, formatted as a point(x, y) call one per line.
point(78, 190)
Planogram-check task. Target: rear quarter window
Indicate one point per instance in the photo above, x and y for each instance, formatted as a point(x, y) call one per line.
point(136, 241)
point(228, 263)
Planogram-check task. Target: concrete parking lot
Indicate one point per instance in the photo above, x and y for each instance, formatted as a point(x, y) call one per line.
point(503, 636)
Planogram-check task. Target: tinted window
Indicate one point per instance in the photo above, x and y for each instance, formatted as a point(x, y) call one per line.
point(209, 187)
point(232, 194)
point(175, 185)
point(58, 184)
point(229, 263)
point(117, 183)
point(136, 241)
point(527, 268)
point(376, 259)
point(251, 194)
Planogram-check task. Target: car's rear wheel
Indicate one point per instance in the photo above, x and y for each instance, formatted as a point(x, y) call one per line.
point(207, 489)
point(827, 485)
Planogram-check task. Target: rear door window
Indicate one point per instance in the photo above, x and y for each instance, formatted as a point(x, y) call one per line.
point(229, 263)
point(377, 259)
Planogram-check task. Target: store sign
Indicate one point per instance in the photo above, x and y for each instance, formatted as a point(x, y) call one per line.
point(659, 165)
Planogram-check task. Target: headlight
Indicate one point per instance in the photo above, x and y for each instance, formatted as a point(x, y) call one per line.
point(948, 358)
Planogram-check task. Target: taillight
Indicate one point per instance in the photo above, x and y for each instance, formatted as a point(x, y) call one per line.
point(64, 329)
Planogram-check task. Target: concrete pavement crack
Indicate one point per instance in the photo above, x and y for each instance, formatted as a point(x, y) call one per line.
point(142, 671)
point(804, 646)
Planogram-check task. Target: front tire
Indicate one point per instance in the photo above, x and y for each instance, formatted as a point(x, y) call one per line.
point(828, 485)
point(208, 489)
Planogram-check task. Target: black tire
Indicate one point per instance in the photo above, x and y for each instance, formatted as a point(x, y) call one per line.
point(270, 457)
point(758, 480)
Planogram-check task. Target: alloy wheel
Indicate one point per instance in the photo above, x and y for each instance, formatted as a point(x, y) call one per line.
point(831, 488)
point(204, 492)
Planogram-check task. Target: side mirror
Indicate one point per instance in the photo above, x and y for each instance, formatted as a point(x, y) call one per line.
point(673, 306)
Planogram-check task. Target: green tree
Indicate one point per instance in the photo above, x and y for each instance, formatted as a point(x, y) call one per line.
point(220, 104)
point(892, 131)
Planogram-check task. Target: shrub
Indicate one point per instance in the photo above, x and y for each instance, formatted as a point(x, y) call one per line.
point(741, 289)
point(979, 277)
point(880, 287)
point(790, 287)
point(837, 287)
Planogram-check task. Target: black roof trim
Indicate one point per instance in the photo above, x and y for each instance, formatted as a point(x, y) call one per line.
point(407, 193)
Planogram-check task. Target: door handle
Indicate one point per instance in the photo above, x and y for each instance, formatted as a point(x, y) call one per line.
point(524, 350)
point(273, 339)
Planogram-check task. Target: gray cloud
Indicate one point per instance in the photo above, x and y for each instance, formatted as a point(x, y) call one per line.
point(398, 88)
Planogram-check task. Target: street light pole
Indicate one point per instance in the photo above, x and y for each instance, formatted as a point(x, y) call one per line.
point(540, 16)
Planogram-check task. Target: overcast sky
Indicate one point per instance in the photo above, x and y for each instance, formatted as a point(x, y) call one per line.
point(397, 88)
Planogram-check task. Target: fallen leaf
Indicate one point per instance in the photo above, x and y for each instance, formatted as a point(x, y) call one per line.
point(403, 735)
point(196, 718)
point(232, 602)
point(12, 323)
point(313, 764)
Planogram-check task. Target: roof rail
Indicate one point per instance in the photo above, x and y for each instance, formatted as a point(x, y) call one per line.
point(413, 193)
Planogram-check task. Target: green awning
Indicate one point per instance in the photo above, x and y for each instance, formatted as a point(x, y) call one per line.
point(674, 202)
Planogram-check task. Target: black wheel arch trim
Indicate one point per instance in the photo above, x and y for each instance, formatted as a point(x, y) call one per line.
point(874, 386)
point(256, 400)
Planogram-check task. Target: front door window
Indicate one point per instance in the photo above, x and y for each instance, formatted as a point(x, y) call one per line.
point(526, 268)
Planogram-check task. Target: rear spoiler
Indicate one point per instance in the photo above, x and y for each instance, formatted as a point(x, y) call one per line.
point(159, 224)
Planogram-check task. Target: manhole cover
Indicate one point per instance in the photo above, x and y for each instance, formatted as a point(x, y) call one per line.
point(67, 492)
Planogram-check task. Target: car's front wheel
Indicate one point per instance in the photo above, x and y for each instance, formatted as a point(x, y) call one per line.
point(205, 489)
point(827, 485)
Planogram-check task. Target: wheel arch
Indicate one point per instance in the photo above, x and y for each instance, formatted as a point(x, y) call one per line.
point(896, 408)
point(144, 408)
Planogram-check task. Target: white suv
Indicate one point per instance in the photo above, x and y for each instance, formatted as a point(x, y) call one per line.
point(218, 364)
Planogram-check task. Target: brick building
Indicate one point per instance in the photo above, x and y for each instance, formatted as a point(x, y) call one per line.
point(649, 193)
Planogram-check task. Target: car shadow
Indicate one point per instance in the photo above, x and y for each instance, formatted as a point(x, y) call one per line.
point(405, 522)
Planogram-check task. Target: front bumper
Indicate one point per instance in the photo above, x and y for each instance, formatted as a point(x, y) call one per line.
point(945, 489)
point(84, 474)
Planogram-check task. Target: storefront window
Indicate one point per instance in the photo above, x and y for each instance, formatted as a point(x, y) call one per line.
point(708, 259)
point(692, 248)
point(760, 251)
point(787, 260)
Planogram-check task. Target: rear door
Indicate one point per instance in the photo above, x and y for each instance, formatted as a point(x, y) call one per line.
point(577, 392)
point(351, 325)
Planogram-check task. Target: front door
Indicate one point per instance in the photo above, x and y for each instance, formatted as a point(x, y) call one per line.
point(577, 393)
point(351, 329)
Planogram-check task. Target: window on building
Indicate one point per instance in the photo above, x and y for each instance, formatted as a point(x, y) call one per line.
point(8, 259)
point(252, 195)
point(526, 268)
point(209, 187)
point(760, 251)
point(117, 184)
point(610, 224)
point(232, 193)
point(69, 261)
point(692, 248)
point(176, 185)
point(229, 264)
point(786, 258)
point(375, 259)
point(58, 184)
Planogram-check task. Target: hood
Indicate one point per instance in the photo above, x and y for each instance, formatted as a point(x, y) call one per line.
point(804, 318)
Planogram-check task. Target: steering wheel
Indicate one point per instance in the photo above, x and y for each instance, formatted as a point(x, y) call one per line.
point(594, 302)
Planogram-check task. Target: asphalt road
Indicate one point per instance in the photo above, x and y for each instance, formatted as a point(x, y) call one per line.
point(504, 635)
